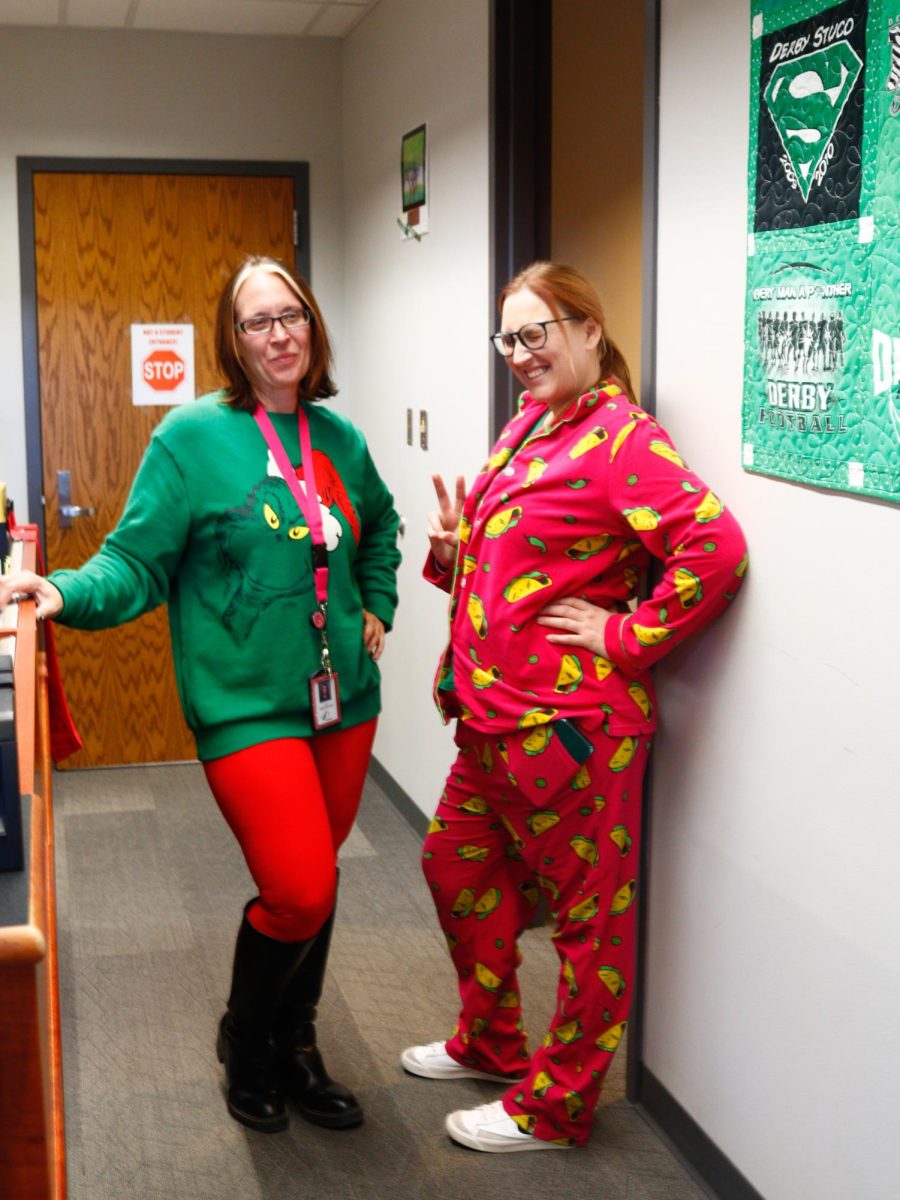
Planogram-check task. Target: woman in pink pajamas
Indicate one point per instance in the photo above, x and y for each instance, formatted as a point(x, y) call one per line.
point(547, 673)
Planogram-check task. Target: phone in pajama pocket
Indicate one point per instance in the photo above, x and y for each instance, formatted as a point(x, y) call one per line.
point(573, 740)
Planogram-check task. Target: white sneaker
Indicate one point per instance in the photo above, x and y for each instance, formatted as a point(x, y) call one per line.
point(489, 1127)
point(433, 1062)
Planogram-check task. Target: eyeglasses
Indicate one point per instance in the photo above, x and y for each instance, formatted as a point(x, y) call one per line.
point(532, 336)
point(291, 318)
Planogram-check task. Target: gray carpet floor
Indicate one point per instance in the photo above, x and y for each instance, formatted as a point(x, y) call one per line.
point(150, 890)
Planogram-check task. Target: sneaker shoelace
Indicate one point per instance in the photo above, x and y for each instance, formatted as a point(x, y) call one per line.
point(494, 1112)
point(435, 1048)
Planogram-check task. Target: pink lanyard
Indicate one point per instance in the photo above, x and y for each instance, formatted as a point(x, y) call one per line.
point(309, 503)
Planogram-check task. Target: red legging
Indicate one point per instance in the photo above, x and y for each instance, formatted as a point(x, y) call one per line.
point(290, 804)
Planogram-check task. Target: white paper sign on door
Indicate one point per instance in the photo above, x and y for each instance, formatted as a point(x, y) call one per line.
point(162, 364)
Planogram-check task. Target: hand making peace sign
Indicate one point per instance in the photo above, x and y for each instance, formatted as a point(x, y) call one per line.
point(443, 526)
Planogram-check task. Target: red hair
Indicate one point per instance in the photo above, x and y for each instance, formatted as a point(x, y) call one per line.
point(567, 293)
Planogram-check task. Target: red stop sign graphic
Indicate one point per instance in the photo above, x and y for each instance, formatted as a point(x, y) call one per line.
point(163, 370)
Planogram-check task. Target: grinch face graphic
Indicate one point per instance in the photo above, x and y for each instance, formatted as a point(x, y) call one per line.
point(264, 545)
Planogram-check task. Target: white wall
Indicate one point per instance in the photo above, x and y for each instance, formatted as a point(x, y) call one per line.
point(146, 95)
point(419, 314)
point(774, 981)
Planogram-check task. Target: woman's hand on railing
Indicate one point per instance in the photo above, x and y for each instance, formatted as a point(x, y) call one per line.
point(22, 585)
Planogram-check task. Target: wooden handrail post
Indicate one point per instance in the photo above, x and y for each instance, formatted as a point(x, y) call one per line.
point(32, 1128)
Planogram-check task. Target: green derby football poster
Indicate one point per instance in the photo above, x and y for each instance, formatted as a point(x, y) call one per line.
point(822, 359)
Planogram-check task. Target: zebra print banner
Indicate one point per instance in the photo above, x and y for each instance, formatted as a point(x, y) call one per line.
point(822, 361)
point(893, 80)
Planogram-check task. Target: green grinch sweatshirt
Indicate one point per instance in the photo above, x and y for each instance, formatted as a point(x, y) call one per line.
point(211, 527)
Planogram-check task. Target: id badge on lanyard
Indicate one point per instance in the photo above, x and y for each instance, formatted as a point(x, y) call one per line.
point(324, 699)
point(324, 696)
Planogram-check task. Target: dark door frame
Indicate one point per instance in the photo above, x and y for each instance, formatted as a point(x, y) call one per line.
point(520, 130)
point(521, 122)
point(649, 208)
point(26, 169)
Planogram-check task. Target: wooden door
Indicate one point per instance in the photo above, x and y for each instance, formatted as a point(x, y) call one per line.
point(112, 250)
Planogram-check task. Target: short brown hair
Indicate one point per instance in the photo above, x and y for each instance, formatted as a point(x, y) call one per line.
point(317, 383)
point(567, 292)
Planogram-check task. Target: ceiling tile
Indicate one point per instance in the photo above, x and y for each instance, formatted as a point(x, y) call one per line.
point(97, 14)
point(29, 12)
point(290, 17)
point(293, 18)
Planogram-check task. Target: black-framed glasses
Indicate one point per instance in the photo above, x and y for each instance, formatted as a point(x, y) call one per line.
point(532, 336)
point(291, 318)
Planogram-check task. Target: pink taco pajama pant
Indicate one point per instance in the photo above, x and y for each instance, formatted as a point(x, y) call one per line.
point(517, 817)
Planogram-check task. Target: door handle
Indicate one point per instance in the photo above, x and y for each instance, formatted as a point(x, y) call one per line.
point(68, 510)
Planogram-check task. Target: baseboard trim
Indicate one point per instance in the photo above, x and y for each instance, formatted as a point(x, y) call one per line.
point(404, 804)
point(699, 1154)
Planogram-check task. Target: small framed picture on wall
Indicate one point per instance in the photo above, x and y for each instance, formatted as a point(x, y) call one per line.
point(412, 165)
point(414, 182)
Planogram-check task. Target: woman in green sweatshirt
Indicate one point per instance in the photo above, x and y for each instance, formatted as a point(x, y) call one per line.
point(259, 517)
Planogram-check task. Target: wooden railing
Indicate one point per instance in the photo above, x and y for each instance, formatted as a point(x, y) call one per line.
point(32, 1135)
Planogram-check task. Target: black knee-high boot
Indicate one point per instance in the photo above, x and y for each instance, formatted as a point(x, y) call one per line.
point(262, 967)
point(303, 1075)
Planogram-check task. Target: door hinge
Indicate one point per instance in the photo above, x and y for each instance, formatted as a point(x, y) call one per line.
point(295, 227)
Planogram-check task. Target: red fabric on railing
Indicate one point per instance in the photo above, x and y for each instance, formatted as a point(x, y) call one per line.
point(64, 737)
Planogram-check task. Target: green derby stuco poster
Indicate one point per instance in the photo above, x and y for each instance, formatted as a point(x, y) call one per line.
point(822, 360)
